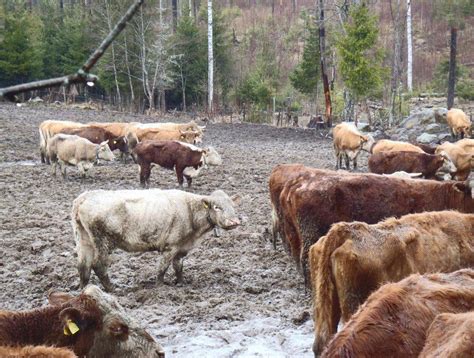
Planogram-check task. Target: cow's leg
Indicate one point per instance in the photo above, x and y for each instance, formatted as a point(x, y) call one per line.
point(54, 166)
point(346, 157)
point(82, 169)
point(86, 252)
point(179, 174)
point(62, 165)
point(145, 171)
point(189, 180)
point(165, 264)
point(100, 269)
point(178, 266)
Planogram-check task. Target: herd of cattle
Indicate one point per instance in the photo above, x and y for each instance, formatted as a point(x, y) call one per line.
point(391, 256)
point(357, 238)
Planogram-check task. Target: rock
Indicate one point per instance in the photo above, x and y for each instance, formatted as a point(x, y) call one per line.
point(427, 138)
point(363, 126)
point(444, 137)
point(433, 128)
point(424, 117)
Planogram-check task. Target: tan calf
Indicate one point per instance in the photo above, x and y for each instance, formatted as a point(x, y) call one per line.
point(348, 142)
point(48, 129)
point(386, 145)
point(458, 123)
point(463, 160)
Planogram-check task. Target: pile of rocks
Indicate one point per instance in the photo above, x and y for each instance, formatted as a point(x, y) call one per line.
point(427, 126)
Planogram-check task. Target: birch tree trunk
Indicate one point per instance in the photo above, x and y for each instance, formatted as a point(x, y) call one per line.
point(210, 58)
point(322, 48)
point(409, 49)
point(129, 72)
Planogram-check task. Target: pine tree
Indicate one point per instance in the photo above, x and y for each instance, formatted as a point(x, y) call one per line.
point(360, 61)
point(304, 77)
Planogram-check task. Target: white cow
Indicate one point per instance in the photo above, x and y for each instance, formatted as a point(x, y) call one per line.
point(168, 221)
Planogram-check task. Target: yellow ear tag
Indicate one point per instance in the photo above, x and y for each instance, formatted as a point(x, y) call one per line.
point(205, 205)
point(71, 328)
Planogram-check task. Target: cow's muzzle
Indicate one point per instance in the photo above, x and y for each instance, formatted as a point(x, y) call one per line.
point(231, 224)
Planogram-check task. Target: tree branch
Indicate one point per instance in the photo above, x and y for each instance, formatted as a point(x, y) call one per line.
point(82, 74)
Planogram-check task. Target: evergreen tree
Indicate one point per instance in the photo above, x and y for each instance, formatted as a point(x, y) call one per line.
point(20, 57)
point(304, 77)
point(360, 61)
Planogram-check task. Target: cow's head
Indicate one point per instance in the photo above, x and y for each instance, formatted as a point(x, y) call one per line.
point(366, 142)
point(446, 165)
point(120, 143)
point(80, 319)
point(104, 152)
point(211, 157)
point(190, 136)
point(120, 336)
point(220, 209)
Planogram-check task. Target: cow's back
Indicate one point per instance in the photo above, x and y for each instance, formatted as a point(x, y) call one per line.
point(386, 145)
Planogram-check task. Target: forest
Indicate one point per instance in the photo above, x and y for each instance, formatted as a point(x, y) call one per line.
point(269, 55)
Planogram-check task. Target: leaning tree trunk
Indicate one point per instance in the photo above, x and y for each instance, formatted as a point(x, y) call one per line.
point(452, 67)
point(324, 75)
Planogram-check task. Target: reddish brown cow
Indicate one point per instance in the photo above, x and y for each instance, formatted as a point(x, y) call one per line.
point(315, 199)
point(410, 162)
point(172, 155)
point(394, 320)
point(98, 135)
point(36, 352)
point(66, 322)
point(353, 259)
point(450, 336)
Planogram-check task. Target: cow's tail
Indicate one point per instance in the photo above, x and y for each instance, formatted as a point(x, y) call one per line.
point(275, 226)
point(43, 142)
point(326, 307)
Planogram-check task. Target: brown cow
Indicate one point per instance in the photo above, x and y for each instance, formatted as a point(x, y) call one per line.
point(99, 135)
point(172, 155)
point(411, 162)
point(70, 323)
point(426, 148)
point(36, 352)
point(394, 320)
point(450, 336)
point(355, 258)
point(315, 199)
point(92, 323)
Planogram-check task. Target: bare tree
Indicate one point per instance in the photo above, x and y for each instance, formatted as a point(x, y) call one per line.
point(324, 75)
point(409, 49)
point(210, 58)
point(396, 61)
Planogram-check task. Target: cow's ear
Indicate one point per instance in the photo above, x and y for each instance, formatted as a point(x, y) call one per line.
point(58, 298)
point(104, 143)
point(118, 329)
point(236, 199)
point(206, 203)
point(71, 320)
point(461, 187)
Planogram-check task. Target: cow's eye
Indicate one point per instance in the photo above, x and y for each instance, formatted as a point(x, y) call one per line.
point(216, 208)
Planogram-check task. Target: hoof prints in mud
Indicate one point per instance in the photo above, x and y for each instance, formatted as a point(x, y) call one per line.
point(239, 298)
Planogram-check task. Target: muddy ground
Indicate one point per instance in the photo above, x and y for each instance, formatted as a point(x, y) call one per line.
point(241, 298)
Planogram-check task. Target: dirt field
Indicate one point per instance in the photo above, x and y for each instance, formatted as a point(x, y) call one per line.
point(241, 298)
